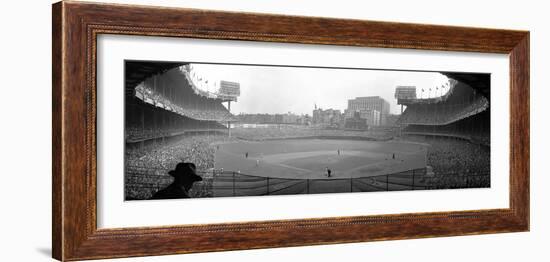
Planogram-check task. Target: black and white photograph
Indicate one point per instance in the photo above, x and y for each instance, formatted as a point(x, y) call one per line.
point(196, 130)
point(275, 130)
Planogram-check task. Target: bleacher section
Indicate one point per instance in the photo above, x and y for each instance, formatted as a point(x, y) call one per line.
point(145, 122)
point(169, 104)
point(146, 168)
point(475, 129)
point(462, 103)
point(462, 113)
point(175, 92)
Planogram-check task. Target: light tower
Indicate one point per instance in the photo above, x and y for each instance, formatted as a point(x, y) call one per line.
point(229, 91)
point(403, 94)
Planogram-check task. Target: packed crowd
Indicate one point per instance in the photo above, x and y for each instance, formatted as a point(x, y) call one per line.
point(193, 148)
point(442, 113)
point(288, 131)
point(211, 110)
point(153, 162)
point(211, 114)
point(457, 163)
point(472, 136)
point(134, 133)
point(476, 129)
point(453, 159)
point(448, 181)
point(458, 156)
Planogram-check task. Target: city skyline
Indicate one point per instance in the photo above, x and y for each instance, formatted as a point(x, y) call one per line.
point(279, 90)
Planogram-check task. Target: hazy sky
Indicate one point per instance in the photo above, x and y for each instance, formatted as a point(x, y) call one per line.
point(274, 89)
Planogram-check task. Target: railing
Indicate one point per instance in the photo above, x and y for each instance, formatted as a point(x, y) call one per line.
point(227, 183)
point(141, 183)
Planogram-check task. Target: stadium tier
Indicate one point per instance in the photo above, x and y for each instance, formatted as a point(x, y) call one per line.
point(175, 92)
point(463, 112)
point(169, 119)
point(460, 102)
point(167, 103)
point(457, 128)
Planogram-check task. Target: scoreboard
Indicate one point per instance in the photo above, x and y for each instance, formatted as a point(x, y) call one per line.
point(230, 88)
point(404, 93)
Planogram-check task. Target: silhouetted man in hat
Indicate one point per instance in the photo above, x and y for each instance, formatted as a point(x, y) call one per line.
point(184, 178)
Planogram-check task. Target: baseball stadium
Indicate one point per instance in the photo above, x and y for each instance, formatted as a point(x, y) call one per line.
point(435, 143)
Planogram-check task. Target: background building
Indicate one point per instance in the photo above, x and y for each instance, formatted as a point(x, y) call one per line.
point(290, 118)
point(328, 117)
point(370, 103)
point(356, 122)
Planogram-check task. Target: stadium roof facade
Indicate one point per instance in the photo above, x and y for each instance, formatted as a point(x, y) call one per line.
point(479, 82)
point(137, 71)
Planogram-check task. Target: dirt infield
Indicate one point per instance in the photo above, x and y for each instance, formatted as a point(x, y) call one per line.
point(309, 158)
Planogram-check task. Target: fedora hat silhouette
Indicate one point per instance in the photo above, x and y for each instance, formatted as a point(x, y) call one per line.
point(185, 172)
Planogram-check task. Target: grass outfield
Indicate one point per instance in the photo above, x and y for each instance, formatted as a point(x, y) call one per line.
point(308, 158)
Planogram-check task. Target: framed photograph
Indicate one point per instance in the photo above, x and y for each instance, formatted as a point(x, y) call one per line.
point(182, 130)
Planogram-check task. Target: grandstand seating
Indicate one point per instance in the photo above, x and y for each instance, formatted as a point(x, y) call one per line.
point(169, 104)
point(174, 91)
point(147, 167)
point(475, 128)
point(145, 121)
point(457, 127)
point(461, 104)
point(170, 113)
point(462, 112)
